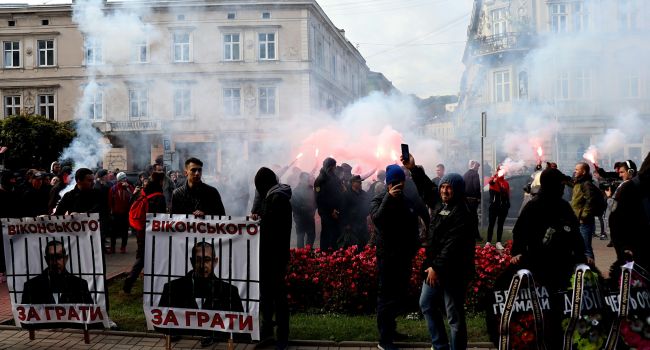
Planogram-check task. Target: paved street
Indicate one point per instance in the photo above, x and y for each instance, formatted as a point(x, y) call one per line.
point(14, 338)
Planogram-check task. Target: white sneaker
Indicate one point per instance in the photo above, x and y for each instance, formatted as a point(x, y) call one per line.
point(487, 244)
point(499, 246)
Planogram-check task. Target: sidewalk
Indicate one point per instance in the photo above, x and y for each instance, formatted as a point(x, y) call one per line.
point(13, 338)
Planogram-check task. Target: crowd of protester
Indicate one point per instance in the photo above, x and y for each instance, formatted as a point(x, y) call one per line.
point(401, 211)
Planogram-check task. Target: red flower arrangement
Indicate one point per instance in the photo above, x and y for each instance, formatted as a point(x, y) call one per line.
point(490, 263)
point(522, 334)
point(345, 280)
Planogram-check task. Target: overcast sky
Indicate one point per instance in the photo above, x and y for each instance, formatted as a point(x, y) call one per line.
point(417, 44)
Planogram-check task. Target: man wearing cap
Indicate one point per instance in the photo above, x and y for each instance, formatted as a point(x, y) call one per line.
point(36, 196)
point(328, 200)
point(396, 236)
point(119, 203)
point(355, 213)
point(449, 263)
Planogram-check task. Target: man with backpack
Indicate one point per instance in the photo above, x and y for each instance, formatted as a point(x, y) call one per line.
point(149, 200)
point(119, 202)
point(586, 203)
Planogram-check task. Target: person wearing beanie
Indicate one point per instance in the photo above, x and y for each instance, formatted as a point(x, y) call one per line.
point(396, 221)
point(329, 196)
point(449, 262)
point(275, 228)
point(119, 203)
point(547, 241)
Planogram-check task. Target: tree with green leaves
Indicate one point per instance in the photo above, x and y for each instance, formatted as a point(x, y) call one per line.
point(33, 141)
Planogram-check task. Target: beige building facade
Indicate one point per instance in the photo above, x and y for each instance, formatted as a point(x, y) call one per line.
point(572, 62)
point(221, 80)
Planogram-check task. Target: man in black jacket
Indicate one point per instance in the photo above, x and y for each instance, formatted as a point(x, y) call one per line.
point(275, 237)
point(83, 198)
point(55, 285)
point(36, 196)
point(196, 197)
point(449, 263)
point(355, 214)
point(396, 225)
point(329, 190)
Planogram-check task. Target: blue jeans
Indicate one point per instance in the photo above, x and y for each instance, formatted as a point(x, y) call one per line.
point(452, 298)
point(587, 233)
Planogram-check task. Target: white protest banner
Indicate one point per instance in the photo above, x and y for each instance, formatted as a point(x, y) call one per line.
point(202, 275)
point(55, 271)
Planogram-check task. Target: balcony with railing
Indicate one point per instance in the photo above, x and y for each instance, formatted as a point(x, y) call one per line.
point(492, 44)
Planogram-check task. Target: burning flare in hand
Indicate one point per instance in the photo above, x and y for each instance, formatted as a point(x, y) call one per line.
point(591, 154)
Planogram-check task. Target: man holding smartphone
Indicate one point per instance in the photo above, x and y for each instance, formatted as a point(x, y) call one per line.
point(396, 224)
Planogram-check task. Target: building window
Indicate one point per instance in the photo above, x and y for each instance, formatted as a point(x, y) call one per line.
point(93, 51)
point(319, 51)
point(266, 15)
point(140, 54)
point(11, 54)
point(582, 84)
point(558, 18)
point(12, 105)
point(580, 17)
point(182, 46)
point(231, 15)
point(182, 103)
point(267, 100)
point(502, 86)
point(334, 66)
point(232, 102)
point(45, 53)
point(46, 106)
point(231, 46)
point(630, 86)
point(96, 105)
point(267, 46)
point(562, 86)
point(627, 14)
point(138, 101)
point(499, 21)
point(45, 22)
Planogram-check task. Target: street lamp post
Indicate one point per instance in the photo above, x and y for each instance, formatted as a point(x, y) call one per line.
point(483, 136)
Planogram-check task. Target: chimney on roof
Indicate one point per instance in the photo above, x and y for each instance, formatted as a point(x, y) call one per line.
point(342, 31)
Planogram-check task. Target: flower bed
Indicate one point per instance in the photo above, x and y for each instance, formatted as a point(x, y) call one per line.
point(345, 280)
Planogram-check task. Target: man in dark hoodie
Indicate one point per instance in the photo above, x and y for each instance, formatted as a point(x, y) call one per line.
point(449, 263)
point(328, 200)
point(396, 225)
point(275, 237)
point(548, 227)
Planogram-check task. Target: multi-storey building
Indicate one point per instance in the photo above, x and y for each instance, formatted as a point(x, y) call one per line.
point(576, 63)
point(221, 80)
